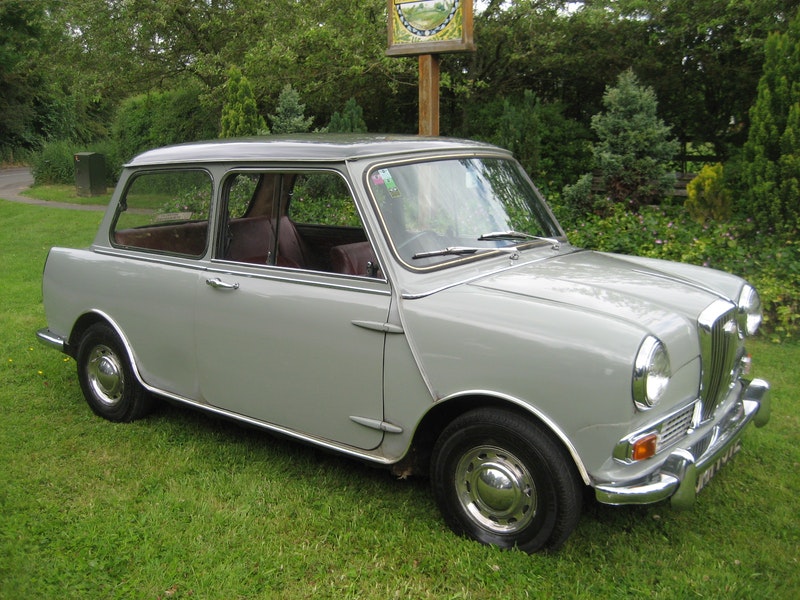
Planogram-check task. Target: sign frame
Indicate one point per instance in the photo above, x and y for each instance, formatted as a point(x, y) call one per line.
point(429, 27)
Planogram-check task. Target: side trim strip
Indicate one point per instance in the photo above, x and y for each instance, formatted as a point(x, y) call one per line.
point(342, 449)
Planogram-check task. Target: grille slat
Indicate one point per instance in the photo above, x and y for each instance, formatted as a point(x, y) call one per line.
point(719, 342)
point(676, 427)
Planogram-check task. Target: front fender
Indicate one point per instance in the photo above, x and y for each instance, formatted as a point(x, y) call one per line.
point(570, 368)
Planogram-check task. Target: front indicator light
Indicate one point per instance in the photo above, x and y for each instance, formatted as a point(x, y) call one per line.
point(644, 447)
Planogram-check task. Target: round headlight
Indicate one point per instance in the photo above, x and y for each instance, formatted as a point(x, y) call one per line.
point(651, 373)
point(749, 316)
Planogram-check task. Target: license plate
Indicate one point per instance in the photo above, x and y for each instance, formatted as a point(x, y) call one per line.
point(708, 474)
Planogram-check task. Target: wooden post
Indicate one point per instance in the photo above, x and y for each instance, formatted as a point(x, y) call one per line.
point(429, 94)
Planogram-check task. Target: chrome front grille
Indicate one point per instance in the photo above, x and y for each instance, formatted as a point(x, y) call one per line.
point(674, 428)
point(720, 353)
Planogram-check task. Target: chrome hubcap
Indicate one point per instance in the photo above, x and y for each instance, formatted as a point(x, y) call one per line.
point(494, 487)
point(105, 375)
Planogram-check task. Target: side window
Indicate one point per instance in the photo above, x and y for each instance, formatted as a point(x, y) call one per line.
point(165, 211)
point(298, 220)
point(322, 199)
point(240, 193)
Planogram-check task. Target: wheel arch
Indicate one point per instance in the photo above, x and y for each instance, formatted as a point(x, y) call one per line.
point(446, 410)
point(85, 321)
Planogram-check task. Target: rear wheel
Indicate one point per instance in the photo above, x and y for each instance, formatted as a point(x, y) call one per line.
point(107, 379)
point(503, 480)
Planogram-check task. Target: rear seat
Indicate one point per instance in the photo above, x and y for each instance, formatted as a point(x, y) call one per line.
point(185, 238)
point(253, 240)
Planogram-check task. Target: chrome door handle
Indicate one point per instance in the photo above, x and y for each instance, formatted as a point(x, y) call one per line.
point(218, 284)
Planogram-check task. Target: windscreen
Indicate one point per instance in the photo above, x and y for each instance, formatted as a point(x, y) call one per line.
point(438, 213)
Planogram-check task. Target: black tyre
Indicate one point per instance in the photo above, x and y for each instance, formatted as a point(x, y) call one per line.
point(503, 480)
point(107, 379)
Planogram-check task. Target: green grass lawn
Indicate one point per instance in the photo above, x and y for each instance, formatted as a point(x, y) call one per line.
point(66, 193)
point(180, 505)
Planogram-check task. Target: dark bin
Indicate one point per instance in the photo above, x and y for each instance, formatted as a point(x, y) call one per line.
point(90, 173)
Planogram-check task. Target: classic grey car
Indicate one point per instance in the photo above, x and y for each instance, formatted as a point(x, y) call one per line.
point(414, 303)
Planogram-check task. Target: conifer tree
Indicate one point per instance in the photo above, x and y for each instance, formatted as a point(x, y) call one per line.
point(240, 116)
point(634, 145)
point(351, 119)
point(771, 166)
point(288, 117)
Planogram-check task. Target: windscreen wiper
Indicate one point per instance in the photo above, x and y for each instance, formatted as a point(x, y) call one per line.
point(518, 235)
point(454, 250)
point(462, 251)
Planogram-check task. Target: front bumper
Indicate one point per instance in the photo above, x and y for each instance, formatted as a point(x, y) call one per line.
point(686, 470)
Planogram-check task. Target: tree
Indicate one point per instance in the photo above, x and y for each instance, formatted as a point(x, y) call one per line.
point(351, 120)
point(703, 59)
point(771, 166)
point(634, 144)
point(289, 115)
point(65, 67)
point(35, 103)
point(240, 116)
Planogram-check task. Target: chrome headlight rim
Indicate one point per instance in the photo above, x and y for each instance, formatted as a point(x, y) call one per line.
point(651, 373)
point(749, 312)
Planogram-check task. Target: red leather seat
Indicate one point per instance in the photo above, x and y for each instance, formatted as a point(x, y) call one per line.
point(252, 240)
point(292, 250)
point(355, 259)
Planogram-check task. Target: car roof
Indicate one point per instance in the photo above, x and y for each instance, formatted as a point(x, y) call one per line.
point(307, 148)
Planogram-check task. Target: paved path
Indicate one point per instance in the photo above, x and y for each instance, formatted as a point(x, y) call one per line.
point(15, 180)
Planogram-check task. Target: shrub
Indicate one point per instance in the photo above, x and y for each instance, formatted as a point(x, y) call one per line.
point(708, 197)
point(161, 118)
point(55, 163)
point(578, 199)
point(552, 148)
point(772, 265)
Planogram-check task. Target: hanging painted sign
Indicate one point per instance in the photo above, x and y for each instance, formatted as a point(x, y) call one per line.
point(429, 26)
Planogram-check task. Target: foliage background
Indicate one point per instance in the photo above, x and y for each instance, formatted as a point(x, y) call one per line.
point(67, 66)
point(120, 76)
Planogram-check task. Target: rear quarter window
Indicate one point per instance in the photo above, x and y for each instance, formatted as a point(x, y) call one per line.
point(165, 212)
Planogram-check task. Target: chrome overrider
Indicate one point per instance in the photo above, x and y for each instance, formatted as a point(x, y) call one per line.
point(687, 470)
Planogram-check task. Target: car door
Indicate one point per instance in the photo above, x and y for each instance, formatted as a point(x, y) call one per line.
point(285, 340)
point(147, 281)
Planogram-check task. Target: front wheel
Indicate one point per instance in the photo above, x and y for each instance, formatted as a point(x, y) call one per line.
point(107, 379)
point(502, 480)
